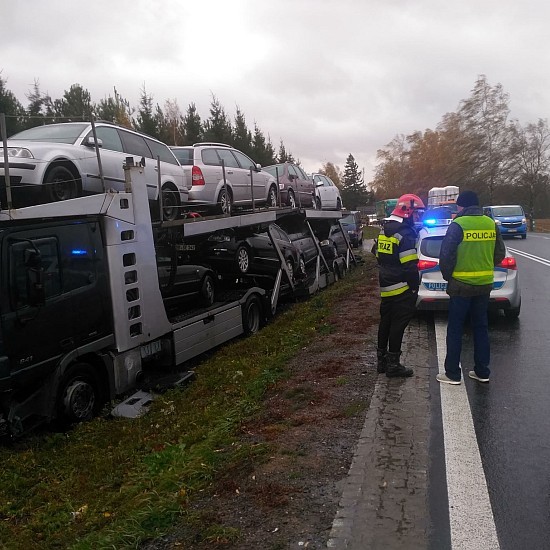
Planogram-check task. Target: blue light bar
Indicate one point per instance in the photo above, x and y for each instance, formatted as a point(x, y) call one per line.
point(78, 252)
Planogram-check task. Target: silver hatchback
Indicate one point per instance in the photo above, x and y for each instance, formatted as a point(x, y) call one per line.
point(245, 181)
point(432, 295)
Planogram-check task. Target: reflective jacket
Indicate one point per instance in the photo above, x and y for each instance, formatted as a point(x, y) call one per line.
point(395, 250)
point(470, 249)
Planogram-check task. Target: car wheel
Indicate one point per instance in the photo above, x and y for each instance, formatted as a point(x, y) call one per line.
point(79, 396)
point(170, 203)
point(513, 312)
point(338, 204)
point(225, 205)
point(290, 268)
point(242, 257)
point(302, 267)
point(291, 199)
point(318, 205)
point(272, 197)
point(336, 272)
point(524, 236)
point(207, 291)
point(61, 184)
point(252, 315)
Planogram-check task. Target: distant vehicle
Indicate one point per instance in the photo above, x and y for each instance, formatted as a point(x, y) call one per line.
point(510, 219)
point(327, 194)
point(202, 164)
point(352, 223)
point(384, 208)
point(432, 293)
point(295, 186)
point(58, 161)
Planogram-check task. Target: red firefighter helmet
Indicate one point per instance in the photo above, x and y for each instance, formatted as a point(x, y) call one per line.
point(406, 205)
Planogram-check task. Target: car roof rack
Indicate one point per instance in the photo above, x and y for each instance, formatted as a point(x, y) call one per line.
point(212, 143)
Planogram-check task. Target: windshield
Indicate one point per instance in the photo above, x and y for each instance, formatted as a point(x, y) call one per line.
point(348, 220)
point(55, 133)
point(185, 156)
point(271, 169)
point(507, 211)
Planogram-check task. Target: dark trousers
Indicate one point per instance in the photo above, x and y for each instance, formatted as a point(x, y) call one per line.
point(395, 314)
point(459, 309)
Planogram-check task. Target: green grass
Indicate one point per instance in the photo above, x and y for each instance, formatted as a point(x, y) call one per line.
point(112, 483)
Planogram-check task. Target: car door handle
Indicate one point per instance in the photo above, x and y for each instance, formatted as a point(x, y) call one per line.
point(229, 171)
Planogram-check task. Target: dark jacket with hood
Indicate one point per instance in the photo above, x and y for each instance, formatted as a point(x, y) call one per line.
point(448, 257)
point(392, 270)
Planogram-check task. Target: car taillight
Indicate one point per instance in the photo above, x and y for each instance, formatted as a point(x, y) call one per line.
point(196, 176)
point(426, 264)
point(509, 263)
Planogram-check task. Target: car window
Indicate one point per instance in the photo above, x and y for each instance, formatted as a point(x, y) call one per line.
point(228, 158)
point(431, 246)
point(135, 145)
point(161, 151)
point(185, 156)
point(301, 173)
point(109, 137)
point(318, 179)
point(273, 170)
point(327, 182)
point(55, 133)
point(292, 171)
point(210, 157)
point(244, 161)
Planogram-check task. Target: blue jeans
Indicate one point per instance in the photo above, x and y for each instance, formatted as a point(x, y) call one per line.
point(459, 308)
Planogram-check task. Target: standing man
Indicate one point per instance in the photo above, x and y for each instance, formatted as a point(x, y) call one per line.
point(470, 249)
point(395, 250)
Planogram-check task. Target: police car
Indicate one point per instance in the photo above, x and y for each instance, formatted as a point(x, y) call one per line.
point(432, 293)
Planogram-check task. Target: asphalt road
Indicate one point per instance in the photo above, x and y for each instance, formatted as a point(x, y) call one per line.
point(489, 475)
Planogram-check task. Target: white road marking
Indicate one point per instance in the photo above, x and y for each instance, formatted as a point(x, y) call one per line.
point(470, 513)
point(538, 259)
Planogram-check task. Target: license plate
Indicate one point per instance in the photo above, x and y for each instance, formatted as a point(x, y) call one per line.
point(185, 247)
point(512, 230)
point(436, 286)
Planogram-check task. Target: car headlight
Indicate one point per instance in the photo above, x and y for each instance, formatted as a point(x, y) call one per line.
point(497, 222)
point(523, 220)
point(17, 152)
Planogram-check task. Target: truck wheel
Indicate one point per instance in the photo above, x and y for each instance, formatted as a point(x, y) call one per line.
point(252, 315)
point(207, 291)
point(242, 257)
point(61, 184)
point(291, 199)
point(170, 203)
point(79, 396)
point(272, 197)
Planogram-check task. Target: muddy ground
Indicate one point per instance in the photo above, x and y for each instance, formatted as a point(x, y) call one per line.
point(312, 422)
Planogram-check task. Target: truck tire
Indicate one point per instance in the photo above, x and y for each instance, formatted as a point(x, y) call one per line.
point(252, 315)
point(79, 396)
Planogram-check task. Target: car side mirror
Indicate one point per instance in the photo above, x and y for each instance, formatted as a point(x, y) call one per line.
point(258, 167)
point(90, 142)
point(319, 184)
point(291, 177)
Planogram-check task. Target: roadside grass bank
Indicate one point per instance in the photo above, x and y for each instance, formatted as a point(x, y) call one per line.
point(113, 483)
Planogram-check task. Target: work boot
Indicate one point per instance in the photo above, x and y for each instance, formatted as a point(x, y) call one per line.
point(382, 360)
point(394, 368)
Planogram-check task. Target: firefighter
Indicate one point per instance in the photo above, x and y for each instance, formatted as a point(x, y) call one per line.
point(395, 250)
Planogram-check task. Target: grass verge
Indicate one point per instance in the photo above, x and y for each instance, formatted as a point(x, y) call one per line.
point(113, 483)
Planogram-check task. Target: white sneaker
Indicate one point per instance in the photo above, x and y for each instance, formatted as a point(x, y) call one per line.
point(446, 380)
point(472, 374)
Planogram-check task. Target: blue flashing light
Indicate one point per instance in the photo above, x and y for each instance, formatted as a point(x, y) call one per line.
point(431, 222)
point(78, 252)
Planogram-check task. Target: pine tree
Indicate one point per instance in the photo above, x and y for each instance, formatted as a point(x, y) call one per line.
point(14, 111)
point(147, 120)
point(354, 192)
point(75, 105)
point(192, 126)
point(283, 155)
point(217, 128)
point(242, 138)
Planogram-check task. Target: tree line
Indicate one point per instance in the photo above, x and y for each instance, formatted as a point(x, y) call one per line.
point(171, 126)
point(478, 147)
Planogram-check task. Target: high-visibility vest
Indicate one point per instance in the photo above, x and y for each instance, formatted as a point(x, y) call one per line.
point(475, 254)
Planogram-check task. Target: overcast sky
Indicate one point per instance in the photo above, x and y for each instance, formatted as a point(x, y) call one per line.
point(328, 77)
